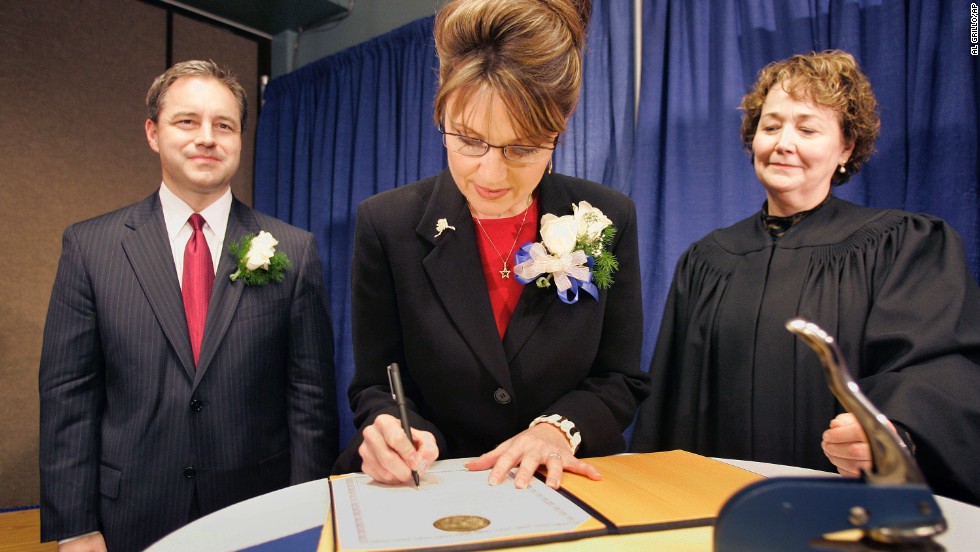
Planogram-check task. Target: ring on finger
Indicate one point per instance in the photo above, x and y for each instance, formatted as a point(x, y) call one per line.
point(555, 454)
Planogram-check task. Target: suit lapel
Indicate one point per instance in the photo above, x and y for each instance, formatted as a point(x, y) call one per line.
point(455, 268)
point(151, 257)
point(225, 294)
point(534, 303)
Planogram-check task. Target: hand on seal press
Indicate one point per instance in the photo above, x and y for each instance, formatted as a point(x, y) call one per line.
point(846, 445)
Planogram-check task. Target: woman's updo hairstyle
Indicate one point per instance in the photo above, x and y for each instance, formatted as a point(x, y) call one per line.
point(529, 52)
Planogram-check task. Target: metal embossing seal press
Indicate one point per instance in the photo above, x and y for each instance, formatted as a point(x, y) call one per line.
point(890, 508)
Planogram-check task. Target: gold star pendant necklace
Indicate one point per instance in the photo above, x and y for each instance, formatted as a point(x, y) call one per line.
point(505, 273)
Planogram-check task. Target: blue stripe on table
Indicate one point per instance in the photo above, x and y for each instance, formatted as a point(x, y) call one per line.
point(304, 540)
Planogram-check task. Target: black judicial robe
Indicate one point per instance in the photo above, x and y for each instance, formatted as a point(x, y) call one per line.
point(892, 287)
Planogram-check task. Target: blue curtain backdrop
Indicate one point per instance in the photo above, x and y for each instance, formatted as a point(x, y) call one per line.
point(360, 122)
point(336, 132)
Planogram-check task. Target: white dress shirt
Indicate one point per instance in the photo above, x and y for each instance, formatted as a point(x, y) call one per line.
point(175, 214)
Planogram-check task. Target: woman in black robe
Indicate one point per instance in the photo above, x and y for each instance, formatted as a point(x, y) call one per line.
point(892, 287)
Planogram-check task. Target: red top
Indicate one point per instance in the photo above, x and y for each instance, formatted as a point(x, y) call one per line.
point(504, 292)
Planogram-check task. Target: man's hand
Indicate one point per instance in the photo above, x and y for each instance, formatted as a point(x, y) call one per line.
point(88, 543)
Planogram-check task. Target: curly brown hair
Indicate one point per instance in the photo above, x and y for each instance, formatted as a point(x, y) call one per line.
point(830, 79)
point(529, 52)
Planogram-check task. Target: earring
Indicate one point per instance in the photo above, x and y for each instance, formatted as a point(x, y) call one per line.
point(842, 169)
point(551, 165)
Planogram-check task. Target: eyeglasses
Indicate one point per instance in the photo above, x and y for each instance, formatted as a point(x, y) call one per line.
point(474, 147)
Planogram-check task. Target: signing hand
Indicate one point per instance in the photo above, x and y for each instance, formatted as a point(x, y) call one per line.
point(846, 445)
point(542, 444)
point(389, 457)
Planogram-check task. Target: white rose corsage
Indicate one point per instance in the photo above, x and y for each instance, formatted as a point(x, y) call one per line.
point(258, 261)
point(573, 252)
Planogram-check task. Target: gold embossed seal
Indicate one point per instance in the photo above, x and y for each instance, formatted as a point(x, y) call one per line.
point(461, 523)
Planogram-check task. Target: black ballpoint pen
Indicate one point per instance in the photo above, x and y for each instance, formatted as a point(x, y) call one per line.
point(398, 393)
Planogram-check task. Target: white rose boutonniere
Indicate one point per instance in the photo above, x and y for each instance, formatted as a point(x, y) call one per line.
point(258, 261)
point(573, 251)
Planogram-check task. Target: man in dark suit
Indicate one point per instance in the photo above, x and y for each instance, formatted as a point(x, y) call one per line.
point(165, 397)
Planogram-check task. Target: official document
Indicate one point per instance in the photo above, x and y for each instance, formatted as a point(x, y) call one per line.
point(456, 508)
point(453, 506)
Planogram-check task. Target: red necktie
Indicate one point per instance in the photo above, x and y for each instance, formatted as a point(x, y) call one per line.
point(198, 279)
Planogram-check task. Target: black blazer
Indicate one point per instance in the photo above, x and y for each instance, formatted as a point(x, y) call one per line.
point(422, 301)
point(130, 431)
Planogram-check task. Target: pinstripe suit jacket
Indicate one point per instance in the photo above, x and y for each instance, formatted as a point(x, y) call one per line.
point(422, 301)
point(130, 430)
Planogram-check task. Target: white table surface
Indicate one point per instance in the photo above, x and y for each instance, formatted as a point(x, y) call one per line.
point(302, 507)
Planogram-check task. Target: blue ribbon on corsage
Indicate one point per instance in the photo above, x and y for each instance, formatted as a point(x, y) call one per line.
point(570, 271)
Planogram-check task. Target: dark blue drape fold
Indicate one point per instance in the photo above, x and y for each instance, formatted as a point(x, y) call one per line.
point(598, 143)
point(337, 131)
point(359, 122)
